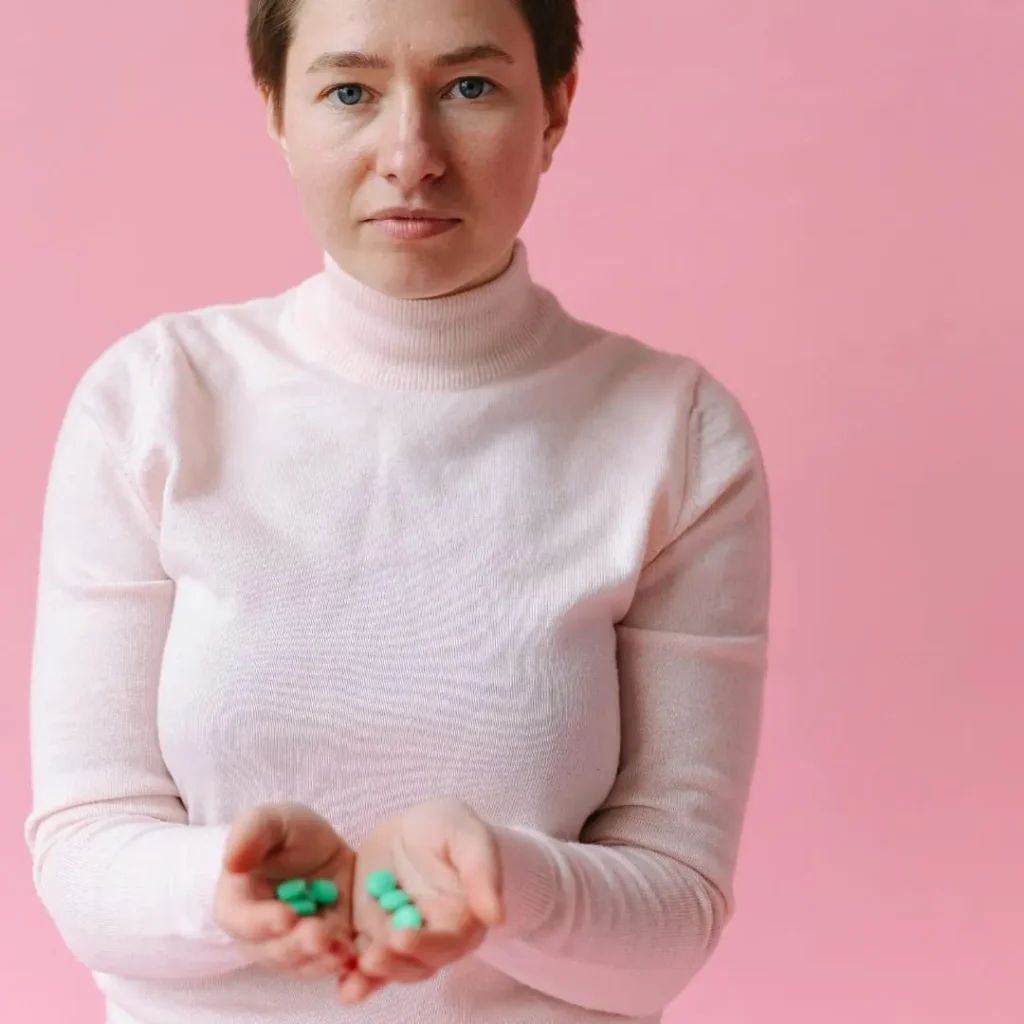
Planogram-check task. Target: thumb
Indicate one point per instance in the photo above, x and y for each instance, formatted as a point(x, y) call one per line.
point(255, 835)
point(474, 856)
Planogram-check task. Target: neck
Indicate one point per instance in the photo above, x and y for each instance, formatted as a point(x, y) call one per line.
point(466, 339)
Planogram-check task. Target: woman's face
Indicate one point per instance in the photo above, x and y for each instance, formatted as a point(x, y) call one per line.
point(432, 105)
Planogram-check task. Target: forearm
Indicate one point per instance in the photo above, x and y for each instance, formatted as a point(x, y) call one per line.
point(133, 896)
point(128, 881)
point(623, 919)
point(606, 928)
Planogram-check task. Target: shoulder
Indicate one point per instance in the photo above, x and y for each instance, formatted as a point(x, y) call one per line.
point(150, 373)
point(684, 422)
point(703, 413)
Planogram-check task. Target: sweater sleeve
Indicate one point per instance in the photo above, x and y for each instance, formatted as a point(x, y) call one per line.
point(621, 920)
point(128, 882)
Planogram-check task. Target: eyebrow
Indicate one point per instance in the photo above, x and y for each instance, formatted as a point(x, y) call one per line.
point(354, 60)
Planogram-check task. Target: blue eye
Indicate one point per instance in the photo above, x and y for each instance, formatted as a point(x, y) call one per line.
point(473, 88)
point(348, 95)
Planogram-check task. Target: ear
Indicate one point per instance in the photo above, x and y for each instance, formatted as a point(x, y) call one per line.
point(559, 104)
point(274, 121)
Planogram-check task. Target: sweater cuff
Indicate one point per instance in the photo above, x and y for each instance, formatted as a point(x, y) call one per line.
point(207, 871)
point(529, 881)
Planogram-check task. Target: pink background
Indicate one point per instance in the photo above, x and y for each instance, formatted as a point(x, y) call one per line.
point(822, 201)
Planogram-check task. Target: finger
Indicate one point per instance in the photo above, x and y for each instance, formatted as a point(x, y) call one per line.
point(474, 855)
point(306, 942)
point(382, 962)
point(337, 926)
point(343, 946)
point(437, 949)
point(248, 916)
point(338, 960)
point(281, 954)
point(371, 921)
point(324, 966)
point(450, 925)
point(254, 835)
point(357, 987)
point(317, 937)
point(329, 933)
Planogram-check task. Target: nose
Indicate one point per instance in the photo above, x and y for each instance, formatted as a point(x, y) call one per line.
point(409, 151)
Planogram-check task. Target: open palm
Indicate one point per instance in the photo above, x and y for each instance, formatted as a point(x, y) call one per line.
point(271, 844)
point(445, 858)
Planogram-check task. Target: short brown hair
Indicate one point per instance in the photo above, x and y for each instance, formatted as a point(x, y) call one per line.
point(555, 25)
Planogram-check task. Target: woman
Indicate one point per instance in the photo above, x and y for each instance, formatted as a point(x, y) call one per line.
point(405, 569)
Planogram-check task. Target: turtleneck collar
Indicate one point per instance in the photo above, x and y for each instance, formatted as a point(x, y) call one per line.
point(452, 342)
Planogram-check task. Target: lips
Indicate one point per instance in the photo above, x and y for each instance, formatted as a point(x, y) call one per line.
point(404, 213)
point(404, 226)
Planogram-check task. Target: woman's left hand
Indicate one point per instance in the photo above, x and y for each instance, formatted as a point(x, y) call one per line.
point(446, 859)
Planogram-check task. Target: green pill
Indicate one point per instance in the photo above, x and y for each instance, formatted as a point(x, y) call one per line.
point(304, 907)
point(407, 918)
point(394, 900)
point(381, 882)
point(324, 892)
point(293, 890)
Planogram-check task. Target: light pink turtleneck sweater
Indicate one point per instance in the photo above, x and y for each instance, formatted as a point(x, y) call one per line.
point(359, 552)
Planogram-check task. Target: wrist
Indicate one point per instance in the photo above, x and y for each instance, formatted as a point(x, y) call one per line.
point(529, 879)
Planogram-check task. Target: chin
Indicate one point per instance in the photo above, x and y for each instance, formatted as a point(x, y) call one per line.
point(421, 275)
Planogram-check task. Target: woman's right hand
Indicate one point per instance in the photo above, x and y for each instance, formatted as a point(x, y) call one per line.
point(271, 844)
